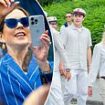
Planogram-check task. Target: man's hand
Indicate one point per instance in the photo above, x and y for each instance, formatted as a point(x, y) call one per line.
point(61, 69)
point(66, 73)
point(90, 91)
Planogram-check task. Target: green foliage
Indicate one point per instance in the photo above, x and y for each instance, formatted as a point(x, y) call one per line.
point(47, 2)
point(94, 20)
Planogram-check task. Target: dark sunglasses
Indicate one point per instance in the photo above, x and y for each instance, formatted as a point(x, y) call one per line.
point(68, 16)
point(12, 22)
point(53, 23)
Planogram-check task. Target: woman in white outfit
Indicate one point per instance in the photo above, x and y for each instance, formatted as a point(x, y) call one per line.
point(98, 67)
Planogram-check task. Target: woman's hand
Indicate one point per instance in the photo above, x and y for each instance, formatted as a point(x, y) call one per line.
point(41, 52)
point(7, 6)
point(6, 3)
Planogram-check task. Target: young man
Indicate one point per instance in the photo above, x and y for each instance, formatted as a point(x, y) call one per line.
point(77, 42)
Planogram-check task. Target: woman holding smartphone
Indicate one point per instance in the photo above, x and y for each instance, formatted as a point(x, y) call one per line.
point(16, 82)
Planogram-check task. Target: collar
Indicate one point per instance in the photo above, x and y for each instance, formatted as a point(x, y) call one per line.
point(76, 28)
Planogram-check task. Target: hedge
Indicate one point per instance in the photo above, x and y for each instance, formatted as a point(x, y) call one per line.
point(49, 2)
point(94, 20)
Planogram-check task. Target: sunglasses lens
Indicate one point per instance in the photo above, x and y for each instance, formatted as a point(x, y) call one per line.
point(11, 23)
point(54, 23)
point(68, 16)
point(24, 21)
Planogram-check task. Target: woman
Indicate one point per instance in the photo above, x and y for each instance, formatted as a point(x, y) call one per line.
point(98, 67)
point(17, 81)
point(33, 7)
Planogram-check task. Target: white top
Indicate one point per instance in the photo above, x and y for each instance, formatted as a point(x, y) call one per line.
point(76, 42)
point(59, 48)
point(62, 29)
point(98, 63)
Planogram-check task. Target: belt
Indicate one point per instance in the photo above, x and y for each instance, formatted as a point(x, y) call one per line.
point(103, 77)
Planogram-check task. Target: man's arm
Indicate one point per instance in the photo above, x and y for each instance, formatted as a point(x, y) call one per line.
point(89, 58)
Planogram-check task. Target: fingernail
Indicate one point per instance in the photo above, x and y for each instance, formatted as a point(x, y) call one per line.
point(17, 2)
point(9, 4)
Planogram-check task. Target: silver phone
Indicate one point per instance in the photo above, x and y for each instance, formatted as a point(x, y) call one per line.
point(37, 28)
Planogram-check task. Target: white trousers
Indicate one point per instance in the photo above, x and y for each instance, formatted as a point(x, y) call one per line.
point(102, 89)
point(63, 83)
point(55, 96)
point(77, 86)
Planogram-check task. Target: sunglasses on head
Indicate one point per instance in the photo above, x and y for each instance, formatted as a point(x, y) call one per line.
point(12, 22)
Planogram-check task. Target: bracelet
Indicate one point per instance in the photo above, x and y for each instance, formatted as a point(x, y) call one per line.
point(46, 76)
point(44, 65)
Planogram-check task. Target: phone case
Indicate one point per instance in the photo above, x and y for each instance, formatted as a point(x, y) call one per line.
point(37, 28)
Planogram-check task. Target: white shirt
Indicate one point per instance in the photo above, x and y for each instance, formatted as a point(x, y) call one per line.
point(76, 42)
point(98, 63)
point(62, 29)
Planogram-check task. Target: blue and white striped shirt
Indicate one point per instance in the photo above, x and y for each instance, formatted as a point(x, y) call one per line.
point(15, 85)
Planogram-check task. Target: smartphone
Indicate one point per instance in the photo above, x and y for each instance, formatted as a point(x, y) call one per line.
point(37, 28)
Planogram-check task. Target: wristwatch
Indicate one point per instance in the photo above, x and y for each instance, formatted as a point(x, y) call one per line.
point(46, 77)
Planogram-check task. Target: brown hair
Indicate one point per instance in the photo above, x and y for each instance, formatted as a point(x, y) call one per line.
point(29, 53)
